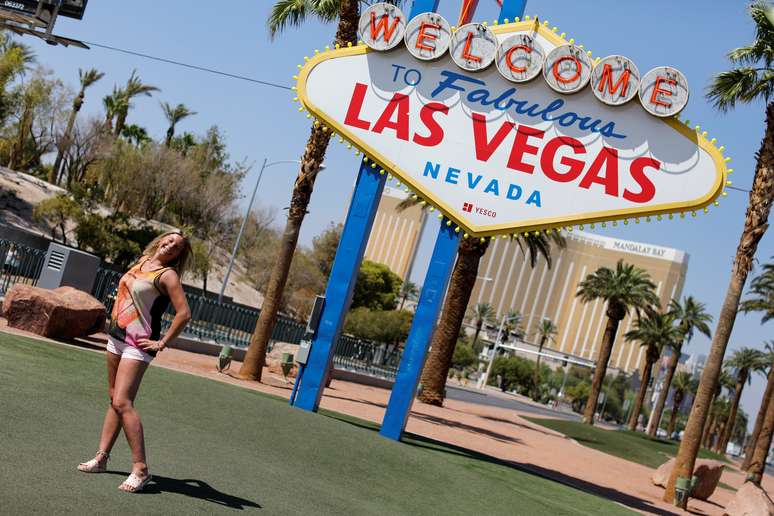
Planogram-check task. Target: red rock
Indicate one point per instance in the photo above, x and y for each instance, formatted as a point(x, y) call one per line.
point(750, 500)
point(661, 475)
point(64, 312)
point(708, 471)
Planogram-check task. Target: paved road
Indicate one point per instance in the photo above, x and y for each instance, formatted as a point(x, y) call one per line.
point(495, 399)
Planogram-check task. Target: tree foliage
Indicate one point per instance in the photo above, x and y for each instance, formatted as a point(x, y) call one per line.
point(324, 247)
point(386, 326)
point(377, 287)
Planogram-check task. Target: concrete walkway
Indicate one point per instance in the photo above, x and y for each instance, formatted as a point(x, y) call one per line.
point(489, 430)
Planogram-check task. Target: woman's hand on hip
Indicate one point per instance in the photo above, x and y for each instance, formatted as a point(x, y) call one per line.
point(148, 345)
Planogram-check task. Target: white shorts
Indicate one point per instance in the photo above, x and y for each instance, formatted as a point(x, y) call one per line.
point(125, 350)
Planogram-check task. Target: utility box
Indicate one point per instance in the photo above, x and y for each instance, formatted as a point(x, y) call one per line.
point(67, 267)
point(302, 355)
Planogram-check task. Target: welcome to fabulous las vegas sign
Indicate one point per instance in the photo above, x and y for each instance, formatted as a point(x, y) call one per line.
point(510, 128)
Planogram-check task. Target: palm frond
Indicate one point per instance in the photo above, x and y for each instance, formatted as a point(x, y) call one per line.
point(287, 13)
point(407, 203)
point(728, 88)
point(753, 79)
point(326, 10)
point(752, 54)
point(89, 77)
point(628, 287)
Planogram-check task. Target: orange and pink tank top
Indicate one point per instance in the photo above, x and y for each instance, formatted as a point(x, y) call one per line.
point(139, 305)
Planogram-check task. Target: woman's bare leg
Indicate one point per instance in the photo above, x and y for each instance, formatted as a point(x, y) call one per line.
point(127, 383)
point(112, 425)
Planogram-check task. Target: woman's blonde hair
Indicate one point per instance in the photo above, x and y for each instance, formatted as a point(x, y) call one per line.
point(180, 264)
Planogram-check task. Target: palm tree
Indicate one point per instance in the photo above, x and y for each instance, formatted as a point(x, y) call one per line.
point(724, 380)
point(690, 316)
point(762, 292)
point(31, 95)
point(625, 288)
point(294, 13)
point(407, 290)
point(655, 331)
point(546, 331)
point(683, 384)
point(765, 401)
point(744, 361)
point(721, 408)
point(134, 88)
point(86, 79)
point(113, 104)
point(756, 462)
point(512, 325)
point(174, 115)
point(457, 298)
point(135, 134)
point(482, 314)
point(15, 60)
point(751, 80)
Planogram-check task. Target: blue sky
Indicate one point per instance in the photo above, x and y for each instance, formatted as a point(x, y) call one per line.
point(260, 121)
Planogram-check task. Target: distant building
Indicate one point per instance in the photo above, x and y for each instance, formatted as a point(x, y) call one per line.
point(395, 234)
point(693, 364)
point(507, 282)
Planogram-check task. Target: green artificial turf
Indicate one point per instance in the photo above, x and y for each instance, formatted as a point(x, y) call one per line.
point(634, 446)
point(218, 448)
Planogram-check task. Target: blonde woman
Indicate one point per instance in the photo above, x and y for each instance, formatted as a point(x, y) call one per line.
point(144, 293)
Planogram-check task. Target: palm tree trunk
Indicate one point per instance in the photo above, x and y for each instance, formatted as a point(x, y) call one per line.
point(475, 335)
point(252, 367)
point(677, 400)
point(120, 122)
point(18, 150)
point(705, 435)
point(611, 328)
point(537, 369)
point(762, 446)
point(170, 135)
point(689, 445)
point(749, 449)
point(53, 176)
point(662, 396)
point(731, 423)
point(710, 421)
point(717, 435)
point(310, 165)
point(755, 225)
point(635, 414)
point(444, 340)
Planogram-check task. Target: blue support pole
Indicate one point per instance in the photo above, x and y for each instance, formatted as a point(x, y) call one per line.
point(346, 264)
point(423, 6)
point(341, 283)
point(422, 327)
point(511, 10)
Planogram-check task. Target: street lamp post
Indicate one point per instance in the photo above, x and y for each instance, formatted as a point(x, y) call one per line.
point(244, 221)
point(482, 381)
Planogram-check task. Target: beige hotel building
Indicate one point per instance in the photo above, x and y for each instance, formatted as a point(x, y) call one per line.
point(507, 282)
point(395, 234)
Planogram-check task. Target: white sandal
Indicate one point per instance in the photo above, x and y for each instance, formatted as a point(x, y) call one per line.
point(134, 483)
point(93, 465)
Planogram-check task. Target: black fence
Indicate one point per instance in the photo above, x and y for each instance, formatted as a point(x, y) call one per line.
point(224, 322)
point(20, 264)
